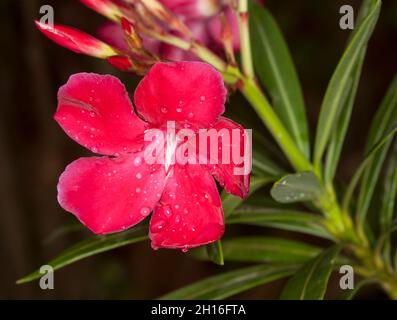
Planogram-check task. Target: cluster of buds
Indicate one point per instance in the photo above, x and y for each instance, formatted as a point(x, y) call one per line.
point(143, 32)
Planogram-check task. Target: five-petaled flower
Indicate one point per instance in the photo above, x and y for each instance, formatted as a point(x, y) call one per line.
point(118, 190)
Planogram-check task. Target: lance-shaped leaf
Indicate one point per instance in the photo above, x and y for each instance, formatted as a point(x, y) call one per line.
point(301, 186)
point(336, 91)
point(283, 219)
point(361, 169)
point(385, 118)
point(276, 71)
point(311, 280)
point(91, 247)
point(230, 283)
point(388, 201)
point(349, 95)
point(76, 40)
point(263, 249)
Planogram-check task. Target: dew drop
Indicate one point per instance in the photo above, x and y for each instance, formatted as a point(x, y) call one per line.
point(145, 211)
point(137, 161)
point(157, 226)
point(138, 190)
point(190, 115)
point(139, 175)
point(178, 110)
point(164, 110)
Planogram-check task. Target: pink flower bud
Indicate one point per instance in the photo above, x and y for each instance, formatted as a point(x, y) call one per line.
point(76, 40)
point(108, 8)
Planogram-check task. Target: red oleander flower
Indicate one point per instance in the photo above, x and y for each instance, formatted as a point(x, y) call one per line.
point(119, 189)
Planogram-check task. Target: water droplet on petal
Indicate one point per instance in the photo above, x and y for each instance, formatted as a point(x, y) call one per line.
point(139, 175)
point(137, 161)
point(164, 110)
point(178, 110)
point(157, 226)
point(145, 211)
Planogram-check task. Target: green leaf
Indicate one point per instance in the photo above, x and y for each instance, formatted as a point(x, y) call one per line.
point(281, 219)
point(91, 247)
point(310, 281)
point(230, 283)
point(263, 249)
point(276, 71)
point(336, 91)
point(215, 253)
point(339, 132)
point(388, 201)
point(368, 160)
point(385, 118)
point(297, 187)
point(231, 202)
point(389, 191)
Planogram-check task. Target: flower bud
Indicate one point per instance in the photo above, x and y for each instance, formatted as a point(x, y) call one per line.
point(76, 40)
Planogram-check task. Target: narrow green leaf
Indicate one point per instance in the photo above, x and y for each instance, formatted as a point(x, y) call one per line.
point(297, 187)
point(230, 283)
point(368, 159)
point(389, 191)
point(231, 202)
point(333, 99)
point(263, 249)
point(214, 252)
point(310, 281)
point(385, 118)
point(339, 132)
point(276, 70)
point(388, 201)
point(296, 221)
point(91, 247)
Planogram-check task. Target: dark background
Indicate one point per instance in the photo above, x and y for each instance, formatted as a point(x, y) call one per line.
point(34, 150)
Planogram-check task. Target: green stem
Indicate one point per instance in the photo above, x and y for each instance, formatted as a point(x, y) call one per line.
point(255, 96)
point(245, 43)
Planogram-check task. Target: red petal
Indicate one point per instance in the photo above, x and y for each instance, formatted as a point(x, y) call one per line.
point(233, 176)
point(76, 40)
point(190, 212)
point(110, 195)
point(181, 91)
point(95, 111)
